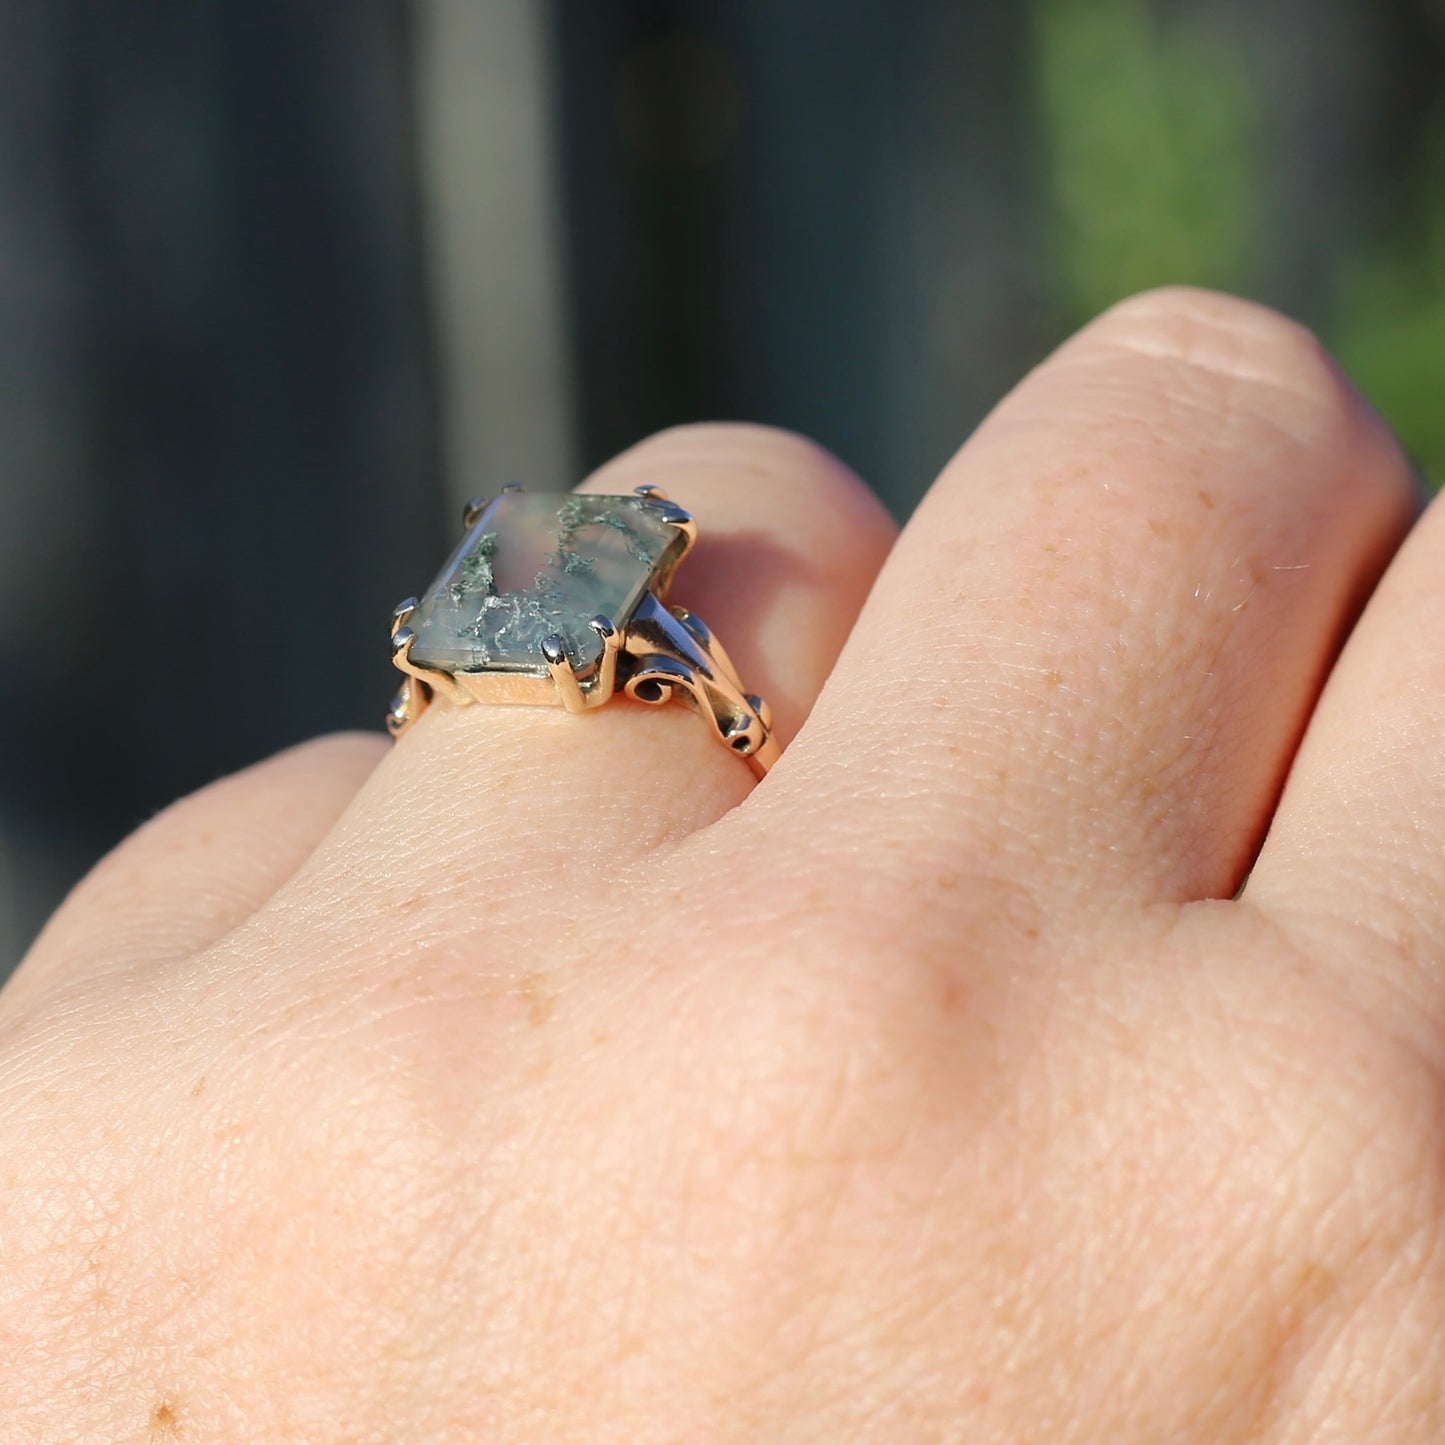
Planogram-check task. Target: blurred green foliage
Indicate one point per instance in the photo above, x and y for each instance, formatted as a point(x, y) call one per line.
point(1152, 127)
point(1148, 129)
point(1390, 326)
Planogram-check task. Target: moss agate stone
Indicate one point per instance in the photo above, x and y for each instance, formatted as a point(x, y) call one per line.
point(536, 564)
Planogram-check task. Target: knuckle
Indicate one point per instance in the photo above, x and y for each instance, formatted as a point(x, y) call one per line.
point(750, 445)
point(737, 463)
point(1225, 337)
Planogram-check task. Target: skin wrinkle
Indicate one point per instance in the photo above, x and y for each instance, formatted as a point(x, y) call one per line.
point(1372, 1246)
point(1360, 962)
point(1008, 704)
point(1380, 1267)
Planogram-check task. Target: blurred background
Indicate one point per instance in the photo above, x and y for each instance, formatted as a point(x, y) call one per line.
point(281, 285)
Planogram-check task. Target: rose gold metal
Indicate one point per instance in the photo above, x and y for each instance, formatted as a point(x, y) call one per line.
point(559, 666)
point(438, 682)
point(675, 656)
point(656, 655)
point(413, 696)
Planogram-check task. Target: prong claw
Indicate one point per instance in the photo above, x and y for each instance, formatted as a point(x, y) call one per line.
point(605, 682)
point(677, 517)
point(515, 487)
point(669, 511)
point(554, 654)
point(473, 510)
point(402, 611)
point(426, 677)
point(650, 493)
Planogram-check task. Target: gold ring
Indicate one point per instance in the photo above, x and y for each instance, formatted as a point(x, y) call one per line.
point(560, 599)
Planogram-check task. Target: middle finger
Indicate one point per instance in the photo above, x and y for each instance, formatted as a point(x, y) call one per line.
point(1090, 657)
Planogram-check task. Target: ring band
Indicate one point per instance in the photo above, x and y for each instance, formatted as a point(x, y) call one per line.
point(559, 599)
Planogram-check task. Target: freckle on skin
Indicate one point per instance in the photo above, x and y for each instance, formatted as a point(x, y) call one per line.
point(1053, 679)
point(199, 1087)
point(165, 1422)
point(540, 1003)
point(1206, 499)
point(950, 996)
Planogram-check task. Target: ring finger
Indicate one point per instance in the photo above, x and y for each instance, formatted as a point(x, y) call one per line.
point(789, 543)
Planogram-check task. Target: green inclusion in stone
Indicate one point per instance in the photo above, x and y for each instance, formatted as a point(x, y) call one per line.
point(535, 564)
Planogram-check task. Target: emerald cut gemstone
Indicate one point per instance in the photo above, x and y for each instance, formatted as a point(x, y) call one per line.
point(534, 565)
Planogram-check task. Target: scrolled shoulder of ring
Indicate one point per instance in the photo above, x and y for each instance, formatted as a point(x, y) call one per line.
point(560, 599)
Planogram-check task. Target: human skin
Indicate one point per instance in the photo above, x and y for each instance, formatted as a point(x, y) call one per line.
point(542, 1079)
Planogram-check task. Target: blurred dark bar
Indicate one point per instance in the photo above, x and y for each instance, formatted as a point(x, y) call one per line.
point(219, 462)
point(775, 212)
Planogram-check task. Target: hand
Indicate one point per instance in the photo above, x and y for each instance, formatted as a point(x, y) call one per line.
point(538, 1080)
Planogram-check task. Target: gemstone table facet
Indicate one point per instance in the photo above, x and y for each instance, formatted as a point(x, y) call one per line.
point(536, 564)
